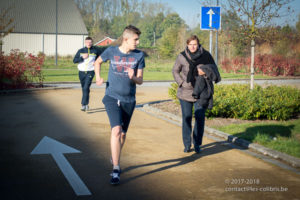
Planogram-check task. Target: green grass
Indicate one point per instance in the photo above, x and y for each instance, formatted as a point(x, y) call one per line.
point(156, 70)
point(158, 76)
point(71, 75)
point(280, 136)
point(67, 75)
point(62, 63)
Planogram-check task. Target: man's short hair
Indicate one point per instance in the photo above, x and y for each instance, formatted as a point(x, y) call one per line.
point(131, 30)
point(88, 38)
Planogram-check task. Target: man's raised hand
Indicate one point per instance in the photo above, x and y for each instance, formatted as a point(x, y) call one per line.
point(130, 73)
point(85, 55)
point(99, 81)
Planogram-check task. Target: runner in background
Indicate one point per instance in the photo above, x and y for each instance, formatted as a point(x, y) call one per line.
point(85, 58)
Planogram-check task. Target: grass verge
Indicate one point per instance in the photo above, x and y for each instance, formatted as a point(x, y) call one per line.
point(156, 70)
point(283, 136)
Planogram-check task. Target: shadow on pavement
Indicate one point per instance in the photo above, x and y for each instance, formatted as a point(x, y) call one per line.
point(25, 120)
point(177, 162)
point(206, 150)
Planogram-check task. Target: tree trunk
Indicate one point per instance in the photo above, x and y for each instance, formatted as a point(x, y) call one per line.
point(252, 64)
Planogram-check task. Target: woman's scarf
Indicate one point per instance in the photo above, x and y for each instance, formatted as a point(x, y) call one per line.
point(193, 64)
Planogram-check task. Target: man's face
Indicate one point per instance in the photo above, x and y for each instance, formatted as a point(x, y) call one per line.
point(88, 43)
point(132, 41)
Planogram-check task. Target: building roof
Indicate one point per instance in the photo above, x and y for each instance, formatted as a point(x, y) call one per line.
point(104, 40)
point(39, 16)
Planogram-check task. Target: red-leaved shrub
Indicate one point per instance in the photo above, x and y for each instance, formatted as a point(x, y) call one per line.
point(20, 70)
point(226, 65)
point(272, 65)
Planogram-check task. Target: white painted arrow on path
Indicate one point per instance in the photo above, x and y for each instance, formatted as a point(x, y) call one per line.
point(57, 149)
point(210, 13)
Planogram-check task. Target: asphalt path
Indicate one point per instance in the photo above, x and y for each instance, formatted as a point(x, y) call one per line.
point(49, 149)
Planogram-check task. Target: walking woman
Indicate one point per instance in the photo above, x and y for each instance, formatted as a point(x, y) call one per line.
point(185, 71)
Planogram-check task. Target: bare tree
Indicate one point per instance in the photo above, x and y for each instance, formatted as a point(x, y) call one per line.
point(254, 14)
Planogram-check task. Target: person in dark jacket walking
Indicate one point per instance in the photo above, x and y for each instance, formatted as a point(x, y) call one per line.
point(185, 71)
point(85, 57)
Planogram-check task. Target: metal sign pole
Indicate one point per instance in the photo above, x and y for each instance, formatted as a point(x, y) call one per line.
point(210, 41)
point(56, 34)
point(216, 58)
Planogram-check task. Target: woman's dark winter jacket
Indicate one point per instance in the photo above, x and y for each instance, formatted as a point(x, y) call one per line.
point(204, 87)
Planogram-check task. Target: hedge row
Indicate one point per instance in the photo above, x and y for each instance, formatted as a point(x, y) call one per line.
point(238, 101)
point(272, 65)
point(20, 70)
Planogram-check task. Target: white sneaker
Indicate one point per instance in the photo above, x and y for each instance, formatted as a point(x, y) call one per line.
point(82, 108)
point(86, 108)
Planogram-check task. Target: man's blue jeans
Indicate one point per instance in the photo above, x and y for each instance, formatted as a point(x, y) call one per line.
point(86, 81)
point(187, 113)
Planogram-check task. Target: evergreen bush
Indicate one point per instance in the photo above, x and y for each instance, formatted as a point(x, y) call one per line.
point(238, 101)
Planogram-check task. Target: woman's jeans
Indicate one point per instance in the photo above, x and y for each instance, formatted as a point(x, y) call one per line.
point(187, 113)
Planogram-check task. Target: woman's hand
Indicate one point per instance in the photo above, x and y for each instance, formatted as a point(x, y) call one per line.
point(200, 72)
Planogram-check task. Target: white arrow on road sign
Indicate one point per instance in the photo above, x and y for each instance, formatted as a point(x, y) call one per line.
point(57, 149)
point(210, 18)
point(210, 13)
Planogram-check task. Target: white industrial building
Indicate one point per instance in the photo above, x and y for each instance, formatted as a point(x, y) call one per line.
point(35, 27)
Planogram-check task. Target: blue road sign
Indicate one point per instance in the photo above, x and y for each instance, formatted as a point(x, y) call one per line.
point(210, 18)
